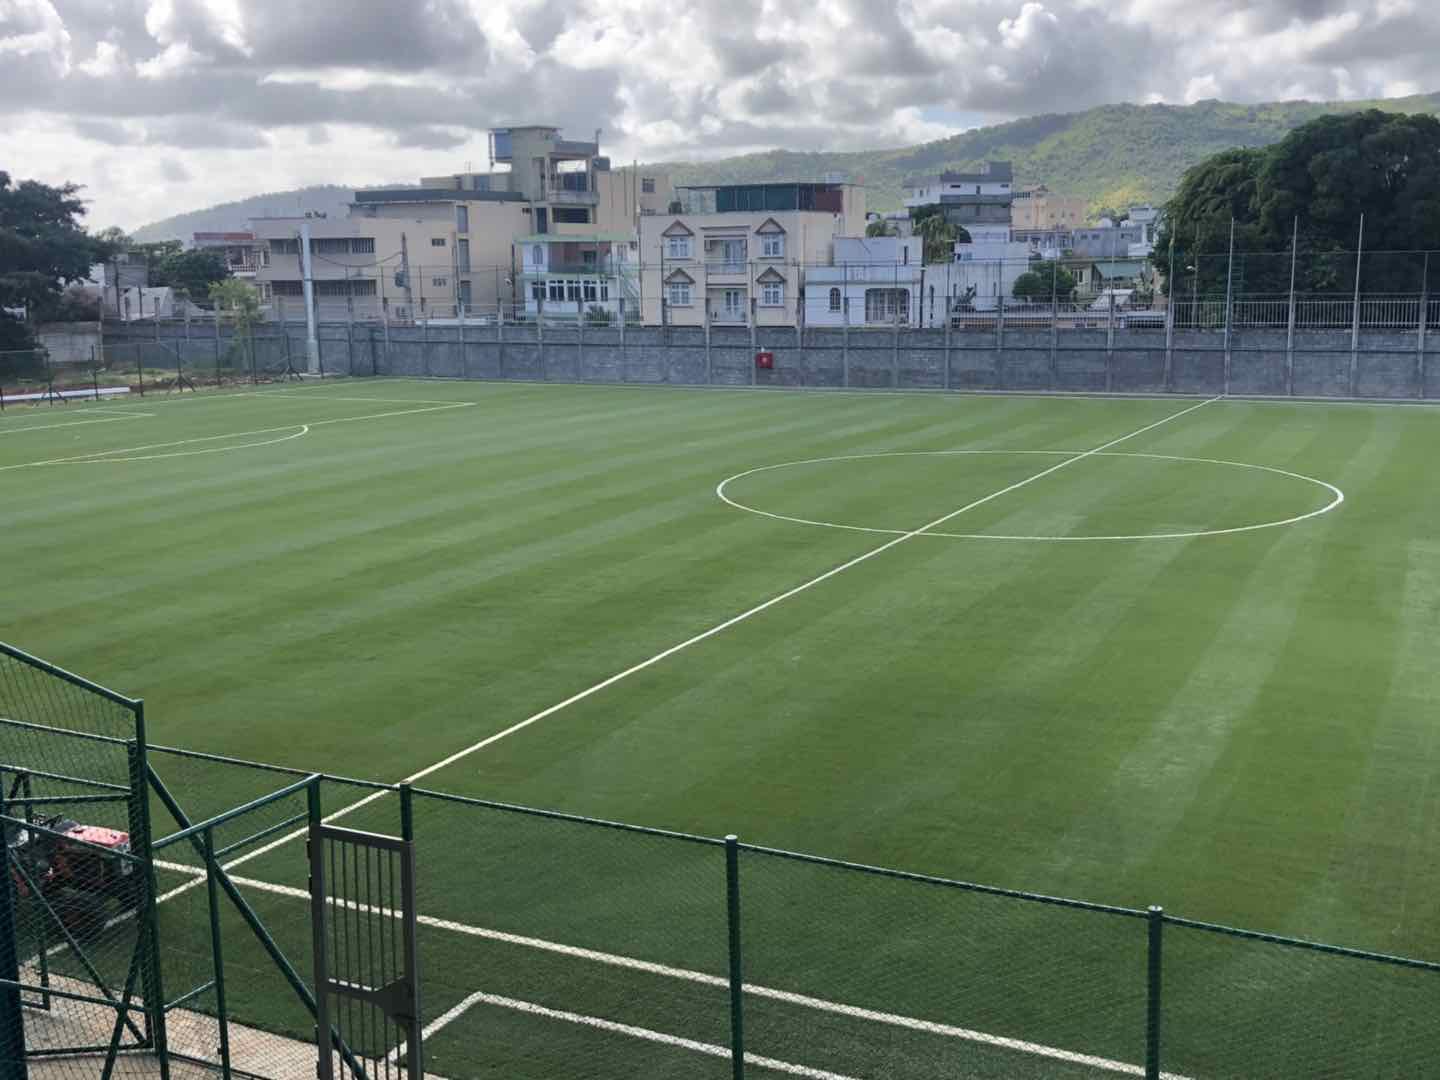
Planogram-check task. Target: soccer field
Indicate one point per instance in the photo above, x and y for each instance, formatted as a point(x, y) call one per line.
point(1135, 651)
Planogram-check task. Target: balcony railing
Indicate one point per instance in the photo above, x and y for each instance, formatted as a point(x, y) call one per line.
point(725, 266)
point(727, 315)
point(566, 197)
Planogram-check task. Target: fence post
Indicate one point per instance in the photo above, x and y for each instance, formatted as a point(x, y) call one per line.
point(324, 1042)
point(539, 338)
point(947, 334)
point(1355, 315)
point(94, 374)
point(705, 311)
point(1290, 320)
point(213, 896)
point(1156, 924)
point(1424, 324)
point(1110, 343)
point(845, 329)
point(12, 1030)
point(737, 968)
point(1229, 304)
point(1169, 376)
point(147, 919)
point(753, 346)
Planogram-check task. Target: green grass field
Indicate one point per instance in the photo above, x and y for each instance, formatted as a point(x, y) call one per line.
point(368, 578)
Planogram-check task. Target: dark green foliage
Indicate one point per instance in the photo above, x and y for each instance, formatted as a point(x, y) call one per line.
point(191, 272)
point(1321, 178)
point(42, 247)
point(1044, 280)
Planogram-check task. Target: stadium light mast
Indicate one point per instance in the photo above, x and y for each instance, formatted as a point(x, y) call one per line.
point(312, 342)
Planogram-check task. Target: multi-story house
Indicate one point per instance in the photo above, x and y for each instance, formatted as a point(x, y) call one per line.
point(981, 197)
point(1040, 208)
point(241, 254)
point(875, 281)
point(739, 253)
point(554, 226)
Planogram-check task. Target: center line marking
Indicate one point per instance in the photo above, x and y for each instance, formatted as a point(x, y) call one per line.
point(705, 635)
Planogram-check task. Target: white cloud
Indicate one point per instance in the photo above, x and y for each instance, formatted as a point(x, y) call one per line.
point(246, 94)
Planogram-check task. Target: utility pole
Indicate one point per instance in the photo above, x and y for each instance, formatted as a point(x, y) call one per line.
point(312, 340)
point(405, 270)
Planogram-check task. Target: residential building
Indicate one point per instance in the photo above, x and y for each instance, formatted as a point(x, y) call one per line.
point(739, 253)
point(983, 196)
point(1040, 208)
point(239, 250)
point(874, 281)
point(986, 267)
point(551, 225)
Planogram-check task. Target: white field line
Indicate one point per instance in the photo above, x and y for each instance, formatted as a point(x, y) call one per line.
point(75, 423)
point(105, 455)
point(1336, 495)
point(694, 640)
point(718, 628)
point(929, 1027)
point(649, 1035)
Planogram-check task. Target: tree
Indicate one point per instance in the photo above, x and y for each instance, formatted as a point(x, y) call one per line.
point(1321, 177)
point(239, 300)
point(1043, 280)
point(881, 227)
point(116, 237)
point(191, 272)
point(42, 248)
point(939, 238)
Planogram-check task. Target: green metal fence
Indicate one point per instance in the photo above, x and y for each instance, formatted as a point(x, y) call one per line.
point(550, 940)
point(80, 979)
point(557, 945)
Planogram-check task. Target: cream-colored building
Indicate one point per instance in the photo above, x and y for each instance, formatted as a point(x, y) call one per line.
point(553, 226)
point(738, 254)
point(1040, 208)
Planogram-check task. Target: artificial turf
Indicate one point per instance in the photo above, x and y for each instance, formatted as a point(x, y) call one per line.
point(1237, 726)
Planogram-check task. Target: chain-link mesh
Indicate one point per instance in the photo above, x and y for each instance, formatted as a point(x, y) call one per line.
point(76, 948)
point(871, 975)
point(1241, 1006)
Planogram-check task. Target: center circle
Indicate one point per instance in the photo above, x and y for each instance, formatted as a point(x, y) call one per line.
point(1328, 496)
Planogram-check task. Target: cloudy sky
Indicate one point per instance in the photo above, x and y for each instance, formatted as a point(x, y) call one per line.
point(159, 106)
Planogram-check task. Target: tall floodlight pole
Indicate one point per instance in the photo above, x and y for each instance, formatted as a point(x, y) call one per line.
point(1229, 301)
point(312, 340)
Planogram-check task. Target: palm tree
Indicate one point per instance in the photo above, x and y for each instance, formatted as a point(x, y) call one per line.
point(881, 227)
point(939, 236)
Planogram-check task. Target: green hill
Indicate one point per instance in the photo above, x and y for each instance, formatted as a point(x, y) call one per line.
point(1111, 155)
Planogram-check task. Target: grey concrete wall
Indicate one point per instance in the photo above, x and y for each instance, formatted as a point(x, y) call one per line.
point(1321, 363)
point(69, 342)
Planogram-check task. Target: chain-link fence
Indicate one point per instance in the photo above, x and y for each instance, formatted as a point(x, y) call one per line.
point(80, 959)
point(550, 944)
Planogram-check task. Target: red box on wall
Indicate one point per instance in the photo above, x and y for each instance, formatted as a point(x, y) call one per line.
point(765, 360)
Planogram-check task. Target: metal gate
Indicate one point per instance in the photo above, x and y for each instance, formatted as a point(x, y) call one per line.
point(367, 988)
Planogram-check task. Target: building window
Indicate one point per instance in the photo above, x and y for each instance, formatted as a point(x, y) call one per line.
point(572, 290)
point(537, 255)
point(887, 305)
point(464, 292)
point(462, 219)
point(362, 245)
point(679, 293)
point(834, 299)
point(557, 291)
point(772, 246)
point(440, 282)
point(588, 287)
point(285, 247)
point(437, 241)
point(772, 294)
point(678, 247)
point(647, 185)
point(604, 290)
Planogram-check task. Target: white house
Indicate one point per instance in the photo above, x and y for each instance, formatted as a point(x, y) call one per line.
point(988, 264)
point(874, 281)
